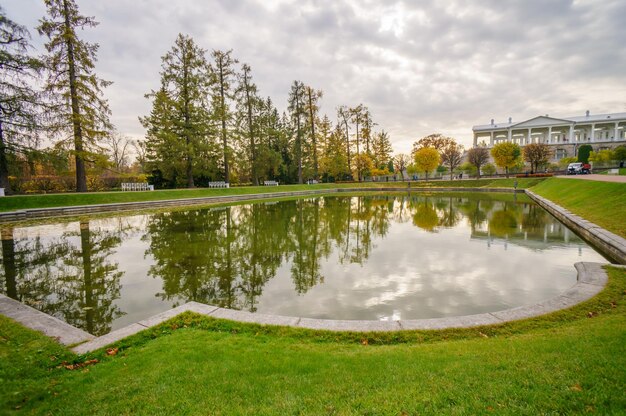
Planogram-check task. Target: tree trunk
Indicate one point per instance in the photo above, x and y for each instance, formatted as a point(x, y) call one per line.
point(506, 170)
point(187, 116)
point(255, 175)
point(81, 172)
point(358, 166)
point(85, 246)
point(348, 147)
point(4, 166)
point(314, 139)
point(223, 117)
point(8, 261)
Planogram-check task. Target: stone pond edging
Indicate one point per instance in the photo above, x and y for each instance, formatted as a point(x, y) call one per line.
point(612, 245)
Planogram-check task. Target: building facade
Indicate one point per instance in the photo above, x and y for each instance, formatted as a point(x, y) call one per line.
point(563, 134)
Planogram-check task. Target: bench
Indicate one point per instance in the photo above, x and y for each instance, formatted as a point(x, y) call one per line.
point(613, 172)
point(312, 182)
point(270, 183)
point(219, 184)
point(137, 186)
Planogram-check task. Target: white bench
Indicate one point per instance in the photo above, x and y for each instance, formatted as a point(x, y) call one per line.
point(270, 183)
point(219, 184)
point(137, 186)
point(613, 172)
point(312, 182)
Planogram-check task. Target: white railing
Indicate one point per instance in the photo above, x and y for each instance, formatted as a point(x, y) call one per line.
point(270, 183)
point(219, 184)
point(137, 186)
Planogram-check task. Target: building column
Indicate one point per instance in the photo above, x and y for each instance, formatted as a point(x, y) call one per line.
point(616, 131)
point(509, 133)
point(571, 134)
point(592, 137)
point(549, 134)
point(528, 138)
point(475, 140)
point(491, 140)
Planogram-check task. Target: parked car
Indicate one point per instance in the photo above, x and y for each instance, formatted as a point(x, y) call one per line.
point(578, 168)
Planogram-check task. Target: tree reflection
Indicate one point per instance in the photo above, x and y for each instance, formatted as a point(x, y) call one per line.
point(70, 276)
point(224, 256)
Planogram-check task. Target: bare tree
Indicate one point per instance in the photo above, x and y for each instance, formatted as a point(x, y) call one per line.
point(536, 154)
point(451, 156)
point(478, 156)
point(118, 148)
point(140, 149)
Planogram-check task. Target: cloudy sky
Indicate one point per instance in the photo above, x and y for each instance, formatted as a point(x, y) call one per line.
point(420, 66)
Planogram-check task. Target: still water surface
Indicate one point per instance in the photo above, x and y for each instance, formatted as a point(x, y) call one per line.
point(381, 257)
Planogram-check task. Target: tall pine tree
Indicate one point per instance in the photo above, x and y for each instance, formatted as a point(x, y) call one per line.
point(78, 103)
point(19, 102)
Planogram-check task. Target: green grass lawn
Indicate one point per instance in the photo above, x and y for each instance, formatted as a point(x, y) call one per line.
point(18, 202)
point(563, 363)
point(603, 203)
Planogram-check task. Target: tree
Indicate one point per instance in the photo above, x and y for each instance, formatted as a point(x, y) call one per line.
point(343, 114)
point(118, 150)
point(76, 91)
point(536, 154)
point(451, 156)
point(602, 156)
point(381, 150)
point(297, 109)
point(19, 102)
point(356, 116)
point(583, 153)
point(334, 161)
point(179, 126)
point(489, 169)
point(223, 72)
point(401, 162)
point(312, 107)
point(248, 102)
point(437, 141)
point(620, 153)
point(426, 159)
point(506, 155)
point(478, 156)
point(363, 165)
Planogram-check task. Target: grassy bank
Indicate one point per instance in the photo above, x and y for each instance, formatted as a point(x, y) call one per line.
point(570, 361)
point(603, 203)
point(18, 202)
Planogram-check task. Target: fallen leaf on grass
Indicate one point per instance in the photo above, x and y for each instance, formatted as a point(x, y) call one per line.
point(591, 314)
point(576, 387)
point(112, 351)
point(364, 341)
point(76, 366)
point(483, 335)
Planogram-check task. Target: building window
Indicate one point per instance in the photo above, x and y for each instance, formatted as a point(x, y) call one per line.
point(560, 154)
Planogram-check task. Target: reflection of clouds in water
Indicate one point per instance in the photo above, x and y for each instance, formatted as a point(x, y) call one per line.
point(414, 274)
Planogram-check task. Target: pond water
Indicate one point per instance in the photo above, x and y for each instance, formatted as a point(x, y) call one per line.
point(379, 257)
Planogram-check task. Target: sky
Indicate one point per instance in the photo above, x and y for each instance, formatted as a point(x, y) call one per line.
point(421, 67)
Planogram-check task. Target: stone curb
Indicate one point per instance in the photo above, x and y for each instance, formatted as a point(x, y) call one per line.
point(611, 245)
point(31, 318)
point(40, 213)
point(591, 280)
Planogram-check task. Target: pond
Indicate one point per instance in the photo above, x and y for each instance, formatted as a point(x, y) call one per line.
point(374, 257)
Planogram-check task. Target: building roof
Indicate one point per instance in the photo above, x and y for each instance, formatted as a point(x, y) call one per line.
point(592, 118)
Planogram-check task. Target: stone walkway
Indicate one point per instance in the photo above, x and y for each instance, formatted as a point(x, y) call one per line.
point(594, 177)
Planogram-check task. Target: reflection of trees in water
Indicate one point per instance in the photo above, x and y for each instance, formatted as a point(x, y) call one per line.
point(70, 276)
point(224, 256)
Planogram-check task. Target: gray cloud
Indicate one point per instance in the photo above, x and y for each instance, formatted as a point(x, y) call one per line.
point(420, 66)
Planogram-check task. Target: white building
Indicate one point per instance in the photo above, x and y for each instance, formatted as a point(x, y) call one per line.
point(564, 134)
